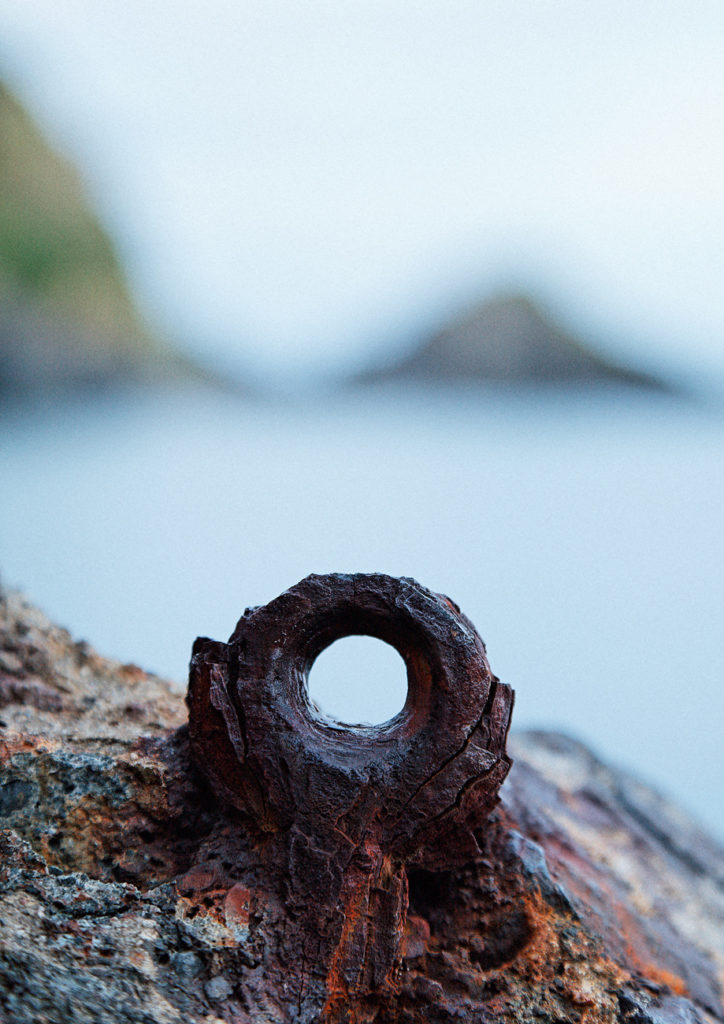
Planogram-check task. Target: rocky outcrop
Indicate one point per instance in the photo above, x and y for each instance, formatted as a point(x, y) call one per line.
point(129, 893)
point(507, 340)
point(67, 319)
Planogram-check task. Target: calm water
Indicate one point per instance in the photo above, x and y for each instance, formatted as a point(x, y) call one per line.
point(582, 534)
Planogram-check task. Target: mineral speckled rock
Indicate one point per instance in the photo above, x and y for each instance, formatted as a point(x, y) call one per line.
point(130, 893)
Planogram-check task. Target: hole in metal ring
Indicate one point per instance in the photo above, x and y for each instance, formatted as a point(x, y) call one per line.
point(358, 680)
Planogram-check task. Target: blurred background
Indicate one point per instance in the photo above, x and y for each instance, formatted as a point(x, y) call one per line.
point(420, 288)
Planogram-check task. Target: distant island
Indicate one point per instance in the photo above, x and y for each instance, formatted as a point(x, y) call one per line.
point(507, 340)
point(68, 321)
point(67, 317)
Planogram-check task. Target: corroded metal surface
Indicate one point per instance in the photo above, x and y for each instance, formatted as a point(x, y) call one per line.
point(340, 811)
point(131, 894)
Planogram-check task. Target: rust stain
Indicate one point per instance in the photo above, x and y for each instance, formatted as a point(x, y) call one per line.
point(344, 809)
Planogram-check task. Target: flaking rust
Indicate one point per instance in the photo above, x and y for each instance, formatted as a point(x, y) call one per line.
point(339, 815)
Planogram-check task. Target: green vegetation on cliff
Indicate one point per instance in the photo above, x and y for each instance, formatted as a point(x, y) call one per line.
point(67, 318)
point(51, 245)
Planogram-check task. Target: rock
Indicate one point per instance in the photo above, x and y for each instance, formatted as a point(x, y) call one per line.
point(218, 988)
point(67, 318)
point(128, 893)
point(507, 340)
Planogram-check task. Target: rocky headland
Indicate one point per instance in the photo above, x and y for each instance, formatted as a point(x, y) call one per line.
point(68, 321)
point(509, 341)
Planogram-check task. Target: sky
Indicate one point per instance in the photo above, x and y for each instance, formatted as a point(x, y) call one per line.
point(297, 186)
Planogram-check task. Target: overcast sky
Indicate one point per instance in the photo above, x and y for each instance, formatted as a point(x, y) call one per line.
point(293, 183)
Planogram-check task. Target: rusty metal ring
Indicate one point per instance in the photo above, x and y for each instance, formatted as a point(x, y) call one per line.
point(269, 752)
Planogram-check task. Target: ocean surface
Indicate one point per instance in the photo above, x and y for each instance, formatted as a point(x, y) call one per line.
point(581, 532)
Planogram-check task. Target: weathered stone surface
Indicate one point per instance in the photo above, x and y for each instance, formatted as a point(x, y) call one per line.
point(130, 893)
